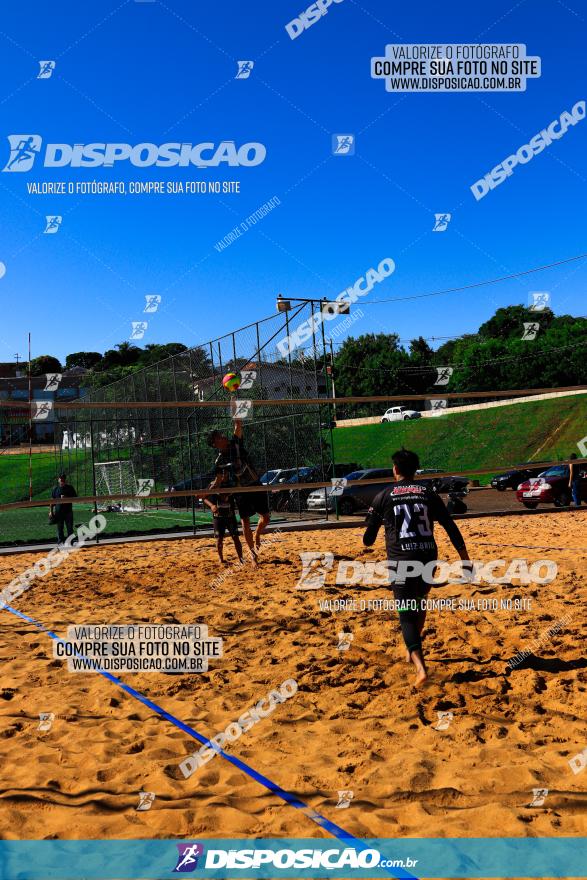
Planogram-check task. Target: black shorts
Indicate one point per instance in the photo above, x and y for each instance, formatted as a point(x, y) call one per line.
point(252, 502)
point(222, 524)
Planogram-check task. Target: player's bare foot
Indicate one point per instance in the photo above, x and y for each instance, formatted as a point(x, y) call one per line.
point(254, 559)
point(257, 541)
point(408, 656)
point(421, 678)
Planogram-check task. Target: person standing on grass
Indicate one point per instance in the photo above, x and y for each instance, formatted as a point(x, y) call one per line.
point(224, 517)
point(234, 462)
point(575, 476)
point(62, 514)
point(408, 510)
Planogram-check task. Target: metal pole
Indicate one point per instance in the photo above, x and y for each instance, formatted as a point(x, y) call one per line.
point(30, 427)
point(93, 472)
point(329, 413)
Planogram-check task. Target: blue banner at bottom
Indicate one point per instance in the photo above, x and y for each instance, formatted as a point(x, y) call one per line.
point(311, 858)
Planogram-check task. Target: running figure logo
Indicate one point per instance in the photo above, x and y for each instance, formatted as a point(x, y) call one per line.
point(441, 222)
point(443, 375)
point(344, 640)
point(46, 69)
point(187, 860)
point(247, 379)
point(153, 302)
point(53, 223)
point(540, 795)
point(343, 145)
point(144, 486)
point(531, 330)
point(23, 151)
point(344, 799)
point(245, 69)
point(146, 799)
point(138, 329)
point(539, 300)
point(315, 565)
point(52, 381)
point(42, 409)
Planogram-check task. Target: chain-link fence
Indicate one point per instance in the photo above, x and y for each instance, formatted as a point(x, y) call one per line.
point(107, 450)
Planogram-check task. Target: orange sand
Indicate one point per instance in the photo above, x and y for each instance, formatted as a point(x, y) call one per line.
point(355, 723)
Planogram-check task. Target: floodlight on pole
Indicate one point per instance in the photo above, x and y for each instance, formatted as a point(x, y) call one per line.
point(283, 305)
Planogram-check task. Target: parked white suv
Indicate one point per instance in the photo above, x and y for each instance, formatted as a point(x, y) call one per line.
point(399, 414)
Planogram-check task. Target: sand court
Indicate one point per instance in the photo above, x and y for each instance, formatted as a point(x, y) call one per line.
point(459, 758)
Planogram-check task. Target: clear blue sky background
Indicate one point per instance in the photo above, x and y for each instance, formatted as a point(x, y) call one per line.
point(164, 71)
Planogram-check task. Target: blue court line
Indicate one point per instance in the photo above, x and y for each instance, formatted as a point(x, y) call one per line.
point(286, 796)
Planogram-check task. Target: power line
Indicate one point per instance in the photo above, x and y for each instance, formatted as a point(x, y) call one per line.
point(373, 302)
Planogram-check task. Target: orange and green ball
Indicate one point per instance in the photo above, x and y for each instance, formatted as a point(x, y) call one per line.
point(232, 381)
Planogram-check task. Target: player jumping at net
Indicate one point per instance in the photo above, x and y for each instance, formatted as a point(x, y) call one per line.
point(224, 517)
point(408, 510)
point(233, 461)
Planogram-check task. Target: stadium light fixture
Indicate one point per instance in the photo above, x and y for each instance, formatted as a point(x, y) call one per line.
point(283, 305)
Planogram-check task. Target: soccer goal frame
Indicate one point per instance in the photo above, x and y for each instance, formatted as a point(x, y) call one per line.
point(118, 478)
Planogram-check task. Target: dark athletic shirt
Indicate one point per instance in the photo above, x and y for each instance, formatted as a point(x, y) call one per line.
point(408, 511)
point(236, 464)
point(65, 491)
point(225, 504)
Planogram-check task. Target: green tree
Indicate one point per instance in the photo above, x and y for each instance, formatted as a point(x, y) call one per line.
point(45, 363)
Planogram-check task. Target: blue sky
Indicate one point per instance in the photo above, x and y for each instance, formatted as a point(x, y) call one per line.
point(164, 71)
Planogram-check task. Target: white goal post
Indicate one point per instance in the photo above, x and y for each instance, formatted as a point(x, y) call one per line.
point(118, 478)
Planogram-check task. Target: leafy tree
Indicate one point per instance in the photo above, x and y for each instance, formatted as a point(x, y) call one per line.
point(45, 363)
point(87, 359)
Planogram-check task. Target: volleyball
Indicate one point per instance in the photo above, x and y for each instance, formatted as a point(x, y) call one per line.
point(232, 381)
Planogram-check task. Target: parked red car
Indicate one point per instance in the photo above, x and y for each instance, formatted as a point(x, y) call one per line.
point(550, 487)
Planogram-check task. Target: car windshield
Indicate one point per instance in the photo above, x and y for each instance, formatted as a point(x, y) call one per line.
point(355, 475)
point(560, 470)
point(268, 476)
point(302, 475)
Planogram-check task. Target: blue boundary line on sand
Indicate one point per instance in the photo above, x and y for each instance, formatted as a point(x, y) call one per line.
point(286, 796)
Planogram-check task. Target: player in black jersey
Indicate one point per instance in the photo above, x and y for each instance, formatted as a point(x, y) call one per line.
point(233, 467)
point(408, 510)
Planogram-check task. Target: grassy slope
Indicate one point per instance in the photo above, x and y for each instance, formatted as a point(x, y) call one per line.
point(540, 430)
